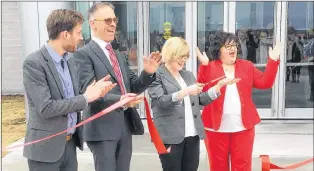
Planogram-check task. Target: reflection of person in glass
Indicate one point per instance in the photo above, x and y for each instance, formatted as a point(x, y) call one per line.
point(176, 100)
point(309, 53)
point(297, 54)
point(159, 43)
point(116, 42)
point(132, 56)
point(251, 46)
point(242, 40)
point(230, 120)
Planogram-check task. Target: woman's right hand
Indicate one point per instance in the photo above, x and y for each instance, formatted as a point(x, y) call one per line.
point(224, 82)
point(228, 81)
point(202, 57)
point(195, 89)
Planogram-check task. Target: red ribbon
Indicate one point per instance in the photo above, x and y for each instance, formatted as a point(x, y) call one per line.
point(161, 149)
point(99, 114)
point(267, 165)
point(159, 145)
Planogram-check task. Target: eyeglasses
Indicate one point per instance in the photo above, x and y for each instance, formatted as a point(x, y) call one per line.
point(183, 57)
point(108, 21)
point(229, 46)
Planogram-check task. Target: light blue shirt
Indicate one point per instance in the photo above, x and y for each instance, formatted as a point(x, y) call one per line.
point(66, 81)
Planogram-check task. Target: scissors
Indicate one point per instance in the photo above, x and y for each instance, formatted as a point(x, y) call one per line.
point(217, 79)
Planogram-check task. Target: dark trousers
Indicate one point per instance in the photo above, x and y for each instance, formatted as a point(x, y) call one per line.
point(67, 162)
point(113, 155)
point(183, 156)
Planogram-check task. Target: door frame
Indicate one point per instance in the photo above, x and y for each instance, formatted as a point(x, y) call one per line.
point(288, 113)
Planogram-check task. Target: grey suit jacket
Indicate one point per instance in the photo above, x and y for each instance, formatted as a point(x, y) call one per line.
point(169, 116)
point(48, 107)
point(93, 64)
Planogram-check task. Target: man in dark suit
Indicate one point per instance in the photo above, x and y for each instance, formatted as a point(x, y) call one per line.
point(54, 99)
point(110, 137)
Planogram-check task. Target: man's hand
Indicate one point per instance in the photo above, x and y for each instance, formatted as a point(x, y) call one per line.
point(133, 102)
point(98, 89)
point(152, 63)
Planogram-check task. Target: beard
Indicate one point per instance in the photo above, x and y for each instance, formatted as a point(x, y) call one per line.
point(70, 48)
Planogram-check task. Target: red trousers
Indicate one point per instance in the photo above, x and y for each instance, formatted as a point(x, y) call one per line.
point(238, 146)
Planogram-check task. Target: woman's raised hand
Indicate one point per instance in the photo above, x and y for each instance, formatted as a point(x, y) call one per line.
point(202, 57)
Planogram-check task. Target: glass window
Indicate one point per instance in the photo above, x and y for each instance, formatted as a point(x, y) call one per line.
point(299, 54)
point(166, 19)
point(126, 34)
point(254, 28)
point(210, 18)
point(83, 8)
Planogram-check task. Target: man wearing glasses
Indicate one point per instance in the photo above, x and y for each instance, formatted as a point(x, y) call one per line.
point(110, 137)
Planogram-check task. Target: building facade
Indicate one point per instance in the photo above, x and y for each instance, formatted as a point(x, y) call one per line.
point(143, 27)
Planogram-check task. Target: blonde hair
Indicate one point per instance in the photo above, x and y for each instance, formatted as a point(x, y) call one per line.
point(175, 48)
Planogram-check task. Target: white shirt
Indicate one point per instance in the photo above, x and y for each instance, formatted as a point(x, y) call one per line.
point(231, 120)
point(190, 129)
point(102, 45)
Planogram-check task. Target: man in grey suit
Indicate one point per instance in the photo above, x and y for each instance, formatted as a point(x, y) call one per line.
point(55, 102)
point(110, 137)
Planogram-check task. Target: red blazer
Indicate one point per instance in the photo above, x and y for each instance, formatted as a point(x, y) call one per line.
point(251, 78)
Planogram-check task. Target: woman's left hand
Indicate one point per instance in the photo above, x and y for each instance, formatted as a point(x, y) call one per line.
point(275, 52)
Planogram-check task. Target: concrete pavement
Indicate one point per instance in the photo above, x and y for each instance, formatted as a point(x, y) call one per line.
point(285, 143)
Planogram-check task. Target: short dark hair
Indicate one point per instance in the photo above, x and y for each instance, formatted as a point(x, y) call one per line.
point(62, 20)
point(98, 5)
point(217, 40)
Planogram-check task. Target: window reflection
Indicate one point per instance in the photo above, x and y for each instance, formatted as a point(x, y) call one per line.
point(83, 8)
point(300, 55)
point(255, 24)
point(166, 19)
point(254, 28)
point(210, 18)
point(126, 33)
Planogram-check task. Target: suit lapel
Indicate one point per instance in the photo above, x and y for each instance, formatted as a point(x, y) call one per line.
point(73, 77)
point(53, 69)
point(167, 75)
point(187, 78)
point(101, 55)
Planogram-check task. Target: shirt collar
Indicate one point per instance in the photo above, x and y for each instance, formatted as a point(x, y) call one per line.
point(55, 56)
point(100, 42)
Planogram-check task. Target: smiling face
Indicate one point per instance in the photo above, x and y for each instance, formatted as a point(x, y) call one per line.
point(178, 63)
point(103, 23)
point(228, 52)
point(175, 53)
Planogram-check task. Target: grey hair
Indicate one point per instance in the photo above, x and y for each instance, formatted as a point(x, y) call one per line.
point(98, 5)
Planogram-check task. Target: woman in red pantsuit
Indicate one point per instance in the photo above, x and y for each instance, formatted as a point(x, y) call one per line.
point(230, 119)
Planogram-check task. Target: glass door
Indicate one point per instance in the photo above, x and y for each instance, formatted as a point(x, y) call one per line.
point(210, 19)
point(162, 20)
point(298, 69)
point(254, 25)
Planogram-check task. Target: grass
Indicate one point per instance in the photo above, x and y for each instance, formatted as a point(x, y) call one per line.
point(13, 119)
